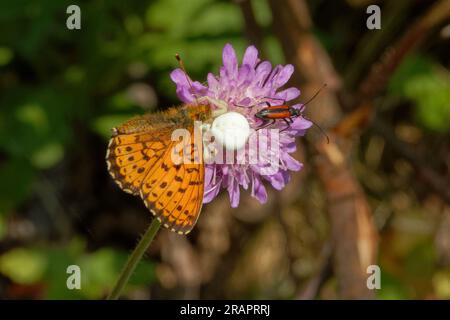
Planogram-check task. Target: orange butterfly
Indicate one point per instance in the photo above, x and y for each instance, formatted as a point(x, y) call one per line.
point(139, 158)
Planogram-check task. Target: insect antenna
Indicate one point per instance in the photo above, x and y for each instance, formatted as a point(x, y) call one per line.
point(315, 124)
point(320, 128)
point(315, 94)
point(180, 62)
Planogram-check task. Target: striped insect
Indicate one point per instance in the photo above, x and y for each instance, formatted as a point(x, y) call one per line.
point(271, 114)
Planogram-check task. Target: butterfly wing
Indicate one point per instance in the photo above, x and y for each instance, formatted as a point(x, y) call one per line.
point(140, 162)
point(174, 194)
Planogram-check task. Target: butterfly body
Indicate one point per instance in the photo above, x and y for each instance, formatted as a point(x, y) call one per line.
point(139, 160)
point(180, 117)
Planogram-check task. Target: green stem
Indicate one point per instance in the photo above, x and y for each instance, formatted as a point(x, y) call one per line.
point(134, 259)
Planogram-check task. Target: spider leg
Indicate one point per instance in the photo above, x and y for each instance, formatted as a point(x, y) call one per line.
point(283, 101)
point(221, 105)
point(254, 105)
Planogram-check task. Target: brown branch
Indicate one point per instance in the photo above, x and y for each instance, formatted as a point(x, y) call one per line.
point(374, 42)
point(279, 200)
point(377, 80)
point(381, 72)
point(353, 232)
point(438, 183)
point(252, 29)
point(312, 288)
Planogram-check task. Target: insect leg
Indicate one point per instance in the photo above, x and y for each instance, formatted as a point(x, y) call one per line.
point(263, 125)
point(266, 124)
point(288, 123)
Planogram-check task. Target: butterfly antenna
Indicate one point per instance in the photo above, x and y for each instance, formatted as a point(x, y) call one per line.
point(180, 62)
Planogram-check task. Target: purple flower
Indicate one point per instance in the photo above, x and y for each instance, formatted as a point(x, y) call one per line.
point(246, 89)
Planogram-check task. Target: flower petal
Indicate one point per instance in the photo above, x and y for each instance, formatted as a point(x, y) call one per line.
point(244, 72)
point(199, 88)
point(234, 193)
point(299, 106)
point(184, 94)
point(187, 92)
point(245, 102)
point(288, 94)
point(258, 190)
point(248, 85)
point(230, 61)
point(283, 76)
point(262, 71)
point(212, 183)
point(278, 180)
point(301, 123)
point(210, 173)
point(211, 193)
point(250, 56)
point(289, 147)
point(213, 83)
point(290, 162)
point(179, 77)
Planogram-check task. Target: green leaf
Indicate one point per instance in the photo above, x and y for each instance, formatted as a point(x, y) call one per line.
point(6, 55)
point(216, 19)
point(431, 94)
point(33, 115)
point(16, 176)
point(47, 156)
point(262, 12)
point(2, 226)
point(411, 66)
point(103, 124)
point(23, 266)
point(427, 85)
point(391, 288)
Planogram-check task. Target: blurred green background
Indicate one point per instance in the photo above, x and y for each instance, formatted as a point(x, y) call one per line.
point(61, 91)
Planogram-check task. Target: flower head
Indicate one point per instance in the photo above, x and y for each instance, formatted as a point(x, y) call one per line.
point(246, 89)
